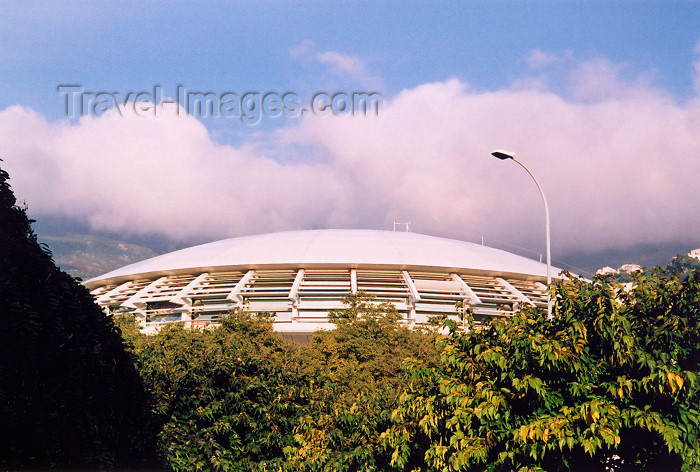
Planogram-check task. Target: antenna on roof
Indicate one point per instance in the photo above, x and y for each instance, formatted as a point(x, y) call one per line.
point(407, 225)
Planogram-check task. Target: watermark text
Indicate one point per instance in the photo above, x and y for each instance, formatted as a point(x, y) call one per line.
point(248, 107)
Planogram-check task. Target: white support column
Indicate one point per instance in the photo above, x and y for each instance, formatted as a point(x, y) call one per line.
point(186, 314)
point(181, 296)
point(119, 288)
point(413, 297)
point(94, 292)
point(353, 280)
point(135, 302)
point(515, 291)
point(467, 289)
point(411, 286)
point(234, 295)
point(295, 286)
point(293, 294)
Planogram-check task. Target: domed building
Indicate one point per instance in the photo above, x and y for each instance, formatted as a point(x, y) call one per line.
point(299, 276)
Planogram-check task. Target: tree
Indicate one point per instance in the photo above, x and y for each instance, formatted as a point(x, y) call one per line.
point(226, 398)
point(240, 397)
point(611, 383)
point(366, 350)
point(682, 264)
point(361, 362)
point(69, 394)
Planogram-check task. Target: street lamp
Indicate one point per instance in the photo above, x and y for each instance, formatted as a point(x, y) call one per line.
point(503, 155)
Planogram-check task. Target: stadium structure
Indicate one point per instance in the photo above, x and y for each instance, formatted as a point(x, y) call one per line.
point(299, 276)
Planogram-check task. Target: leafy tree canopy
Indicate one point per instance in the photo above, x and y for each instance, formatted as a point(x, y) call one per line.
point(69, 394)
point(366, 350)
point(226, 398)
point(361, 362)
point(682, 264)
point(610, 384)
point(240, 397)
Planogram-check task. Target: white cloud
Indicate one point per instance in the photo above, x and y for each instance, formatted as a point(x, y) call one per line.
point(342, 63)
point(302, 50)
point(163, 174)
point(598, 78)
point(611, 169)
point(537, 59)
point(346, 66)
point(619, 167)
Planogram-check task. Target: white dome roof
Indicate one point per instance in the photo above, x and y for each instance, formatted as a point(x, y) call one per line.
point(334, 248)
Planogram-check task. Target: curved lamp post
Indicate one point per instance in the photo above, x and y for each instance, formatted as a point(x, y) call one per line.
point(503, 155)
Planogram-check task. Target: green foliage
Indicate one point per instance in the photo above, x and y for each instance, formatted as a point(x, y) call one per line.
point(226, 398)
point(239, 397)
point(342, 437)
point(361, 363)
point(611, 382)
point(682, 264)
point(69, 395)
point(623, 277)
point(365, 351)
point(360, 306)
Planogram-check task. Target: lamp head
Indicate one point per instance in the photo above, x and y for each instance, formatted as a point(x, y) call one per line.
point(503, 155)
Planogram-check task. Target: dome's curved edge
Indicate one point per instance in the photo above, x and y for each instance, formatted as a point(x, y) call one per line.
point(139, 270)
point(116, 280)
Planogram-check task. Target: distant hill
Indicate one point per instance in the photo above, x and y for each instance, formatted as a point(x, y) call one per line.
point(646, 255)
point(681, 264)
point(87, 256)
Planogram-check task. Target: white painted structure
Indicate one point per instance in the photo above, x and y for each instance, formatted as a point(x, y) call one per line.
point(629, 268)
point(607, 270)
point(301, 275)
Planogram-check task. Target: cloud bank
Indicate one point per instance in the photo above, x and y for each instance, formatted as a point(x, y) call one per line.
point(618, 158)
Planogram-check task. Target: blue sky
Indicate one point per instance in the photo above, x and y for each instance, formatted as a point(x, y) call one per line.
point(245, 46)
point(552, 80)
